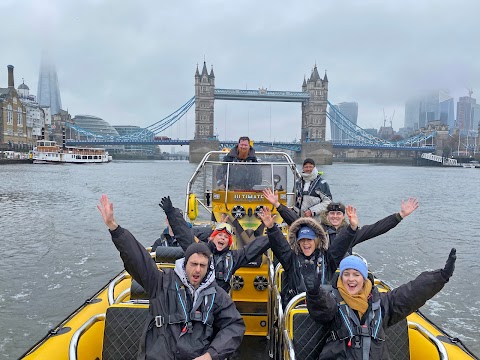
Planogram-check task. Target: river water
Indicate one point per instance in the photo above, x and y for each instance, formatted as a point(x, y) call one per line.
point(56, 251)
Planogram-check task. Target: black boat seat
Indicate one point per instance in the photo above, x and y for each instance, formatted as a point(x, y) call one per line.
point(137, 292)
point(123, 327)
point(397, 341)
point(168, 255)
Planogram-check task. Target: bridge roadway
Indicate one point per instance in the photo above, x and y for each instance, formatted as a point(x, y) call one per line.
point(293, 146)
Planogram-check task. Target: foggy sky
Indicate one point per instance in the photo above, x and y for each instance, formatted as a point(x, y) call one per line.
point(134, 62)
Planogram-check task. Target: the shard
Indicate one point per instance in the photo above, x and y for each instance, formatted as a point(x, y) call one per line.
point(48, 92)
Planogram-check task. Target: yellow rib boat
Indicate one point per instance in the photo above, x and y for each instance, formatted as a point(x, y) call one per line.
point(109, 324)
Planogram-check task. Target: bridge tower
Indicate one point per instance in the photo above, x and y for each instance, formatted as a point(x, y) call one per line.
point(204, 139)
point(314, 120)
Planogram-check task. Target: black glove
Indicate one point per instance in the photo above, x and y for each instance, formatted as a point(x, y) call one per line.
point(310, 277)
point(166, 204)
point(447, 271)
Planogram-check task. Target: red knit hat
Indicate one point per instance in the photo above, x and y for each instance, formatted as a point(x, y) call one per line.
point(230, 238)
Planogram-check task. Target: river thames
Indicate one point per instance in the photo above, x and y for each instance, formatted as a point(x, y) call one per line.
point(57, 252)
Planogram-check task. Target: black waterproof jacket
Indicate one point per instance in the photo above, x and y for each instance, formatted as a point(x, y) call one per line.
point(240, 176)
point(318, 188)
point(362, 234)
point(325, 260)
point(227, 261)
point(181, 335)
point(165, 240)
point(395, 305)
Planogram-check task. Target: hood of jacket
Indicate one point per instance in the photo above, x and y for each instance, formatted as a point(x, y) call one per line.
point(325, 221)
point(315, 226)
point(206, 282)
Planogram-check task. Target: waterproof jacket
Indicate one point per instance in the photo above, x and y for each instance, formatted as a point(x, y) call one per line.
point(225, 262)
point(240, 176)
point(165, 240)
point(315, 199)
point(362, 234)
point(322, 263)
point(384, 310)
point(183, 322)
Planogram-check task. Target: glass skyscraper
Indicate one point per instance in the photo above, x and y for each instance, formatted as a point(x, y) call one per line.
point(435, 106)
point(48, 92)
point(350, 111)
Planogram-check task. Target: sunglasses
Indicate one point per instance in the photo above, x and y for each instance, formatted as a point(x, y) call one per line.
point(225, 227)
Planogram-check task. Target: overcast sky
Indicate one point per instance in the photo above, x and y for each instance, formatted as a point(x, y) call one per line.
point(133, 62)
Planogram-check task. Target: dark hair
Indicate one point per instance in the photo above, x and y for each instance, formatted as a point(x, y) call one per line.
point(244, 138)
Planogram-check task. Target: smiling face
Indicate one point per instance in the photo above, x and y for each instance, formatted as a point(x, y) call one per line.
point(221, 240)
point(307, 246)
point(353, 281)
point(196, 268)
point(335, 218)
point(308, 168)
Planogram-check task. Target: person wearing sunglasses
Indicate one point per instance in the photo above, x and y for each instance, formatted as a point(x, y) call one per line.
point(333, 219)
point(226, 260)
point(358, 314)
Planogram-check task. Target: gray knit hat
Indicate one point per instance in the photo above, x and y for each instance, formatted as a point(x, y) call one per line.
point(197, 248)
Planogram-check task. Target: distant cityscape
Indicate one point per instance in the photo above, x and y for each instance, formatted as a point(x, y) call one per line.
point(25, 117)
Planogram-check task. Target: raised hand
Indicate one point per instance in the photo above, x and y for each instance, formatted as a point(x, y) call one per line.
point(267, 218)
point(352, 216)
point(310, 278)
point(408, 207)
point(447, 271)
point(106, 209)
point(271, 197)
point(166, 204)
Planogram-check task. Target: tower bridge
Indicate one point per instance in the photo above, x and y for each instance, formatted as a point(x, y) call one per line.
point(313, 100)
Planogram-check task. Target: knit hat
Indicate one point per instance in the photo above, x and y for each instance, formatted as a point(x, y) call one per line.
point(230, 237)
point(197, 248)
point(336, 207)
point(308, 161)
point(306, 232)
point(356, 263)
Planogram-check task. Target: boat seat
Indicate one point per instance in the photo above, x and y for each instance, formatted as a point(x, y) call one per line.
point(168, 254)
point(137, 292)
point(307, 335)
point(123, 328)
point(397, 341)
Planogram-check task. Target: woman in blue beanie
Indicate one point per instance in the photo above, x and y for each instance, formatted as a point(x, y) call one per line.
point(359, 314)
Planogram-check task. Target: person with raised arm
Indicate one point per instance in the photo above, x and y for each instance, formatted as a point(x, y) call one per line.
point(190, 316)
point(306, 256)
point(358, 314)
point(333, 219)
point(226, 260)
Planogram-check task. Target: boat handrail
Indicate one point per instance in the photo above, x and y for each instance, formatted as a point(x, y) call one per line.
point(113, 283)
point(289, 344)
point(442, 352)
point(73, 347)
point(122, 296)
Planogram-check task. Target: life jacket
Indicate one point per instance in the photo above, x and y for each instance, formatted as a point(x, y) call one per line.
point(160, 316)
point(349, 327)
point(296, 284)
point(223, 268)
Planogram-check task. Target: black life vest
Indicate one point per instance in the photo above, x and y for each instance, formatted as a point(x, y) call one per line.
point(223, 267)
point(359, 335)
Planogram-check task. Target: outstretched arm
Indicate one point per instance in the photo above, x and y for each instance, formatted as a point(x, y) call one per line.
point(180, 228)
point(384, 225)
point(136, 259)
point(278, 243)
point(288, 215)
point(411, 296)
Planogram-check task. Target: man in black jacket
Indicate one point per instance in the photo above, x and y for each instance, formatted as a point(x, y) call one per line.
point(190, 316)
point(241, 176)
point(226, 261)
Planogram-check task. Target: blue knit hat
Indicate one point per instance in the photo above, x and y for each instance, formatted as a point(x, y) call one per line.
point(356, 263)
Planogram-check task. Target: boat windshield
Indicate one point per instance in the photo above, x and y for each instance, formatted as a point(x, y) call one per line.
point(249, 176)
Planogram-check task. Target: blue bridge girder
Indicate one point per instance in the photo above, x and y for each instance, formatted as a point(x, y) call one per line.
point(261, 95)
point(125, 142)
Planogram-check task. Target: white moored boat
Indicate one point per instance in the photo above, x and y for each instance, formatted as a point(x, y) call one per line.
point(49, 152)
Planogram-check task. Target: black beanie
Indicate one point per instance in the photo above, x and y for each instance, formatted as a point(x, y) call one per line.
point(197, 248)
point(308, 161)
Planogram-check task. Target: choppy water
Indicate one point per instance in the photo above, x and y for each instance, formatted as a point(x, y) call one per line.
point(56, 251)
